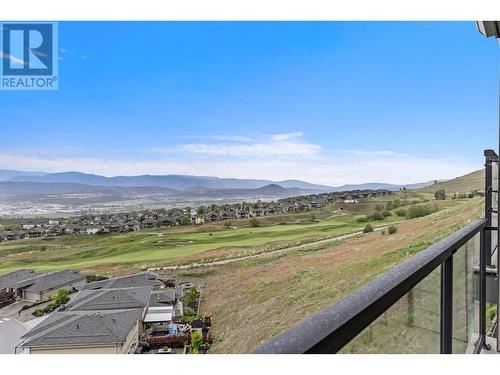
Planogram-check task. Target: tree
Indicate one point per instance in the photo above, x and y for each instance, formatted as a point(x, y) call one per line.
point(227, 224)
point(192, 295)
point(196, 342)
point(200, 210)
point(60, 297)
point(440, 194)
point(368, 228)
point(186, 220)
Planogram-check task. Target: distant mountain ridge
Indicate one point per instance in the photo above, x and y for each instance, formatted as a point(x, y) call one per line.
point(186, 183)
point(177, 182)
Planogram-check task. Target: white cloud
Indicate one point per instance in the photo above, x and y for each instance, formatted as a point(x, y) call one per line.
point(254, 150)
point(287, 145)
point(285, 136)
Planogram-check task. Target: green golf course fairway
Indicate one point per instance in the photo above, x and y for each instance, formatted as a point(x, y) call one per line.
point(155, 247)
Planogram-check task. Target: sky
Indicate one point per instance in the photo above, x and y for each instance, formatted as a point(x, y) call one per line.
point(330, 103)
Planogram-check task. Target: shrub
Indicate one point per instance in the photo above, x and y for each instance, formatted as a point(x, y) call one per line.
point(368, 228)
point(38, 313)
point(386, 213)
point(420, 210)
point(440, 194)
point(379, 207)
point(377, 215)
point(400, 212)
point(50, 307)
point(189, 311)
point(196, 342)
point(362, 219)
point(192, 295)
point(392, 229)
point(383, 232)
point(60, 297)
point(227, 224)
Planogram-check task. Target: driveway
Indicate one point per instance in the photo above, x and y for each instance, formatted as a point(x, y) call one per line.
point(10, 331)
point(13, 309)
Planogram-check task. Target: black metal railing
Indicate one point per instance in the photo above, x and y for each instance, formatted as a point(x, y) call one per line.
point(332, 328)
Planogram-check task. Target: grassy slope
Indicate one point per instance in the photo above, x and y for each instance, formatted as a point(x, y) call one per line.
point(466, 183)
point(175, 245)
point(148, 248)
point(252, 301)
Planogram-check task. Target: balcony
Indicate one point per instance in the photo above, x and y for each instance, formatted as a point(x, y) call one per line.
point(438, 301)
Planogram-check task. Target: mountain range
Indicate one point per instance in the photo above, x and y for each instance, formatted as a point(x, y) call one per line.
point(171, 184)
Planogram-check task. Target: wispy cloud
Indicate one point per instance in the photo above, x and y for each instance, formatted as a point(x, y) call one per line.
point(66, 51)
point(286, 136)
point(14, 59)
point(289, 145)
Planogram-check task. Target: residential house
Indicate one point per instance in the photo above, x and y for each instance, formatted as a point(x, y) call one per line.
point(212, 216)
point(139, 279)
point(38, 286)
point(148, 223)
point(133, 225)
point(85, 332)
point(36, 232)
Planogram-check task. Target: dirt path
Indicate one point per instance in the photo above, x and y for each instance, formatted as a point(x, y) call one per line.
point(266, 253)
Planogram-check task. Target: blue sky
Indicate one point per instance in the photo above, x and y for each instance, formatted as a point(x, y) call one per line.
point(331, 103)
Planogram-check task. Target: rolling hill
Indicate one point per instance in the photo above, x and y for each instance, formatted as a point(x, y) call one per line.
point(466, 183)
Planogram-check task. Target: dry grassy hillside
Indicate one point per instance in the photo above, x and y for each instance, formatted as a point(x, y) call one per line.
point(252, 301)
point(469, 182)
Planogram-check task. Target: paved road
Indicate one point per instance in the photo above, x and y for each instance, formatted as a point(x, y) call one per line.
point(10, 331)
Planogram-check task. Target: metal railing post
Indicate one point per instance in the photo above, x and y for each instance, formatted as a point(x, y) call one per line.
point(446, 305)
point(481, 343)
point(488, 208)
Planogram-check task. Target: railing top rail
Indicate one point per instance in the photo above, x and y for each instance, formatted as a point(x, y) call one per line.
point(328, 330)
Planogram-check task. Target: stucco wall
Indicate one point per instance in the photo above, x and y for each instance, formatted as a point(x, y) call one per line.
point(75, 350)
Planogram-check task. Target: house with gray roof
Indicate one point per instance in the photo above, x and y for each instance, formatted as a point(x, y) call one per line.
point(32, 286)
point(139, 279)
point(111, 299)
point(9, 280)
point(79, 332)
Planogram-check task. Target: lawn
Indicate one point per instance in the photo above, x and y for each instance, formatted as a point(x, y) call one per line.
point(155, 247)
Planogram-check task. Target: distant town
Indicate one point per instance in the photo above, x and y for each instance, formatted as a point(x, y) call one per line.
point(131, 221)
